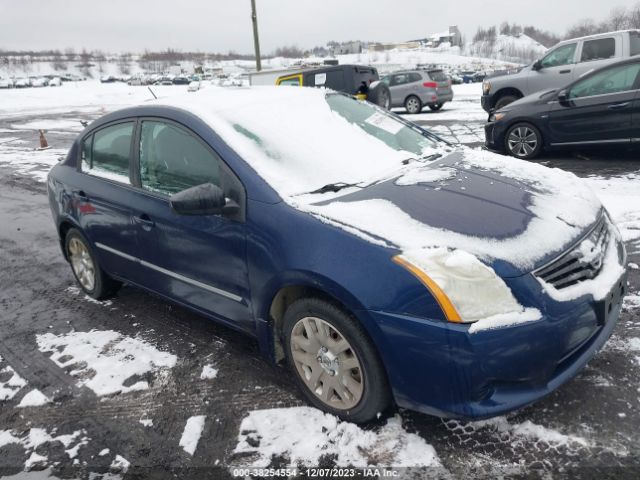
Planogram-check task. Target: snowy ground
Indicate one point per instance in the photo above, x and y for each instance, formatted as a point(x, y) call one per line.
point(136, 386)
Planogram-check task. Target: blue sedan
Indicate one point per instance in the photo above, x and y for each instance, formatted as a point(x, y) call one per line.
point(384, 266)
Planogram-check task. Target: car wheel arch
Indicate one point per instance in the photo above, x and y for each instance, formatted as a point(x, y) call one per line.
point(506, 91)
point(274, 309)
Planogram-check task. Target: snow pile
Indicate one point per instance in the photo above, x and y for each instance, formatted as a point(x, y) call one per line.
point(631, 302)
point(263, 125)
point(512, 48)
point(106, 361)
point(426, 174)
point(13, 383)
point(35, 398)
point(303, 434)
point(621, 197)
point(192, 433)
point(36, 437)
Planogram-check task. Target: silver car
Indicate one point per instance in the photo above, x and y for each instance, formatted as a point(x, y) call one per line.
point(415, 89)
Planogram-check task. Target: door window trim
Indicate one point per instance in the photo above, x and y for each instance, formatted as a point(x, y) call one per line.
point(79, 169)
point(224, 167)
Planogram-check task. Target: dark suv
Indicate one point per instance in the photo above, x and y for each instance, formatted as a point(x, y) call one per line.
point(360, 81)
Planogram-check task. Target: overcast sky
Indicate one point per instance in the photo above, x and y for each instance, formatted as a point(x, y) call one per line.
point(223, 25)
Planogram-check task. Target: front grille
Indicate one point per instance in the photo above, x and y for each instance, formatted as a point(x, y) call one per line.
point(582, 262)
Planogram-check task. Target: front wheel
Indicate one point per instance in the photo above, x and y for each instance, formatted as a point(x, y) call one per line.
point(334, 362)
point(91, 278)
point(524, 141)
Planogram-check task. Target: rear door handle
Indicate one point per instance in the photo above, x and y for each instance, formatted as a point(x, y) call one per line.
point(618, 106)
point(80, 194)
point(565, 71)
point(144, 220)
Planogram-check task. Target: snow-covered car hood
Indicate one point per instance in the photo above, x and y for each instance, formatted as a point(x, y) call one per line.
point(512, 215)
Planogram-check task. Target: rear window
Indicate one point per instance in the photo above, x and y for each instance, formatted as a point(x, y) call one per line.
point(106, 153)
point(438, 76)
point(634, 40)
point(599, 49)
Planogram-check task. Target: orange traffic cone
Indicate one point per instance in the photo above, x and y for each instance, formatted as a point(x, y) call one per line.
point(43, 141)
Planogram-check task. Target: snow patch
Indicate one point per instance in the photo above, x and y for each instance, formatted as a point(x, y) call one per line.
point(426, 175)
point(35, 398)
point(38, 436)
point(10, 387)
point(191, 434)
point(208, 372)
point(303, 434)
point(107, 362)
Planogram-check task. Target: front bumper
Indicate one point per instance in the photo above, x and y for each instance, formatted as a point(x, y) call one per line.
point(487, 102)
point(441, 369)
point(494, 135)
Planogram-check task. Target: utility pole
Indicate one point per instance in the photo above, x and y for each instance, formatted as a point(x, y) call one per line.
point(256, 40)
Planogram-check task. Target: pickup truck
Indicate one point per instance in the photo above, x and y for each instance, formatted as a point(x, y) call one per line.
point(562, 64)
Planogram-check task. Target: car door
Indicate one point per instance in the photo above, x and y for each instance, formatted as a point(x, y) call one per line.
point(198, 260)
point(597, 109)
point(597, 53)
point(555, 70)
point(102, 201)
point(399, 88)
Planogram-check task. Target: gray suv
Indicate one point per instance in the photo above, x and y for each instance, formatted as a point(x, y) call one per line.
point(415, 89)
point(561, 65)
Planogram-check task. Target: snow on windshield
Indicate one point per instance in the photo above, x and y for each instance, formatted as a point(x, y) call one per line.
point(301, 139)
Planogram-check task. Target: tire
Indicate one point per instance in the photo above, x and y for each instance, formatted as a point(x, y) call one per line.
point(504, 101)
point(413, 105)
point(357, 394)
point(380, 95)
point(523, 141)
point(436, 107)
point(88, 273)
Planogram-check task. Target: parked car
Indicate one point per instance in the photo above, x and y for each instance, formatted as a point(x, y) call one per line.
point(6, 83)
point(194, 86)
point(385, 266)
point(360, 81)
point(38, 81)
point(180, 80)
point(108, 79)
point(55, 82)
point(22, 82)
point(597, 109)
point(567, 61)
point(415, 89)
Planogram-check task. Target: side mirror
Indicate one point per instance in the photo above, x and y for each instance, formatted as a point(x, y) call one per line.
point(537, 65)
point(205, 199)
point(563, 97)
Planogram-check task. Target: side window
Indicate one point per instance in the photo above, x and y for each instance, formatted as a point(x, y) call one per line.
point(172, 160)
point(634, 43)
point(415, 77)
point(335, 80)
point(107, 152)
point(400, 79)
point(386, 80)
point(612, 80)
point(599, 49)
point(560, 56)
point(295, 81)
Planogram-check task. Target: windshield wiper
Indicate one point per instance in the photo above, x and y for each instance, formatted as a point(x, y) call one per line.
point(428, 158)
point(334, 187)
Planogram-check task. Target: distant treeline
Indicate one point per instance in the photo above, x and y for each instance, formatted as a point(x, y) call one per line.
point(620, 18)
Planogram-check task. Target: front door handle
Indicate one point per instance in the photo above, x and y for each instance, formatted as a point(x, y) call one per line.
point(565, 71)
point(145, 221)
point(618, 106)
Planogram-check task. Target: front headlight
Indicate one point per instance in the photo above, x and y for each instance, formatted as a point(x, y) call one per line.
point(496, 117)
point(466, 289)
point(486, 87)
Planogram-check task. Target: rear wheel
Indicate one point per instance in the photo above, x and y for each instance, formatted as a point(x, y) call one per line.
point(334, 362)
point(413, 104)
point(91, 278)
point(436, 107)
point(380, 95)
point(524, 141)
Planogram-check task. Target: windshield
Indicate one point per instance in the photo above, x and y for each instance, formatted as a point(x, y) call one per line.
point(301, 139)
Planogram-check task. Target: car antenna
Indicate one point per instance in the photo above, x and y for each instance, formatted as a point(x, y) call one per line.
point(154, 95)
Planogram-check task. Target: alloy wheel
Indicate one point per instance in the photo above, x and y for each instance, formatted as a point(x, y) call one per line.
point(82, 264)
point(413, 105)
point(327, 363)
point(522, 141)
